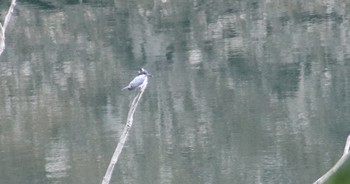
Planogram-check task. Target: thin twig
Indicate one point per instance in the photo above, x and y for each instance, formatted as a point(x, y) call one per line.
point(335, 168)
point(347, 146)
point(124, 135)
point(4, 26)
point(9, 13)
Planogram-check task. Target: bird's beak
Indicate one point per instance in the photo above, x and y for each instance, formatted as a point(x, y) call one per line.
point(149, 75)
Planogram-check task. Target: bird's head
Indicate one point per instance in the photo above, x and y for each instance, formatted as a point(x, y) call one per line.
point(142, 71)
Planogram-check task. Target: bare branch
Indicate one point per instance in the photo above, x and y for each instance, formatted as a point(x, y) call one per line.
point(4, 26)
point(335, 168)
point(124, 135)
point(347, 146)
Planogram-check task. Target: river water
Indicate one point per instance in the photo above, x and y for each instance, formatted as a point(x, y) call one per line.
point(242, 91)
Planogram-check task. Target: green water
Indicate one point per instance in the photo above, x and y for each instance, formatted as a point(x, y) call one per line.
point(243, 91)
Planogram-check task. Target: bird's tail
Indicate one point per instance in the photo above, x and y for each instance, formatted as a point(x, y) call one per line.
point(127, 87)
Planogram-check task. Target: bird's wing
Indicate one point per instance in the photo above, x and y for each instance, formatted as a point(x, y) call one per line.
point(137, 81)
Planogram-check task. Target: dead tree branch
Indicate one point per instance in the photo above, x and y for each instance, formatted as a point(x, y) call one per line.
point(124, 135)
point(336, 167)
point(4, 26)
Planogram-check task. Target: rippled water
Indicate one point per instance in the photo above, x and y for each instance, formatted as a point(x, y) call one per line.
point(243, 92)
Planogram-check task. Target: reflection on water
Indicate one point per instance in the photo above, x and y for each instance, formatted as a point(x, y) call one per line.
point(57, 161)
point(243, 92)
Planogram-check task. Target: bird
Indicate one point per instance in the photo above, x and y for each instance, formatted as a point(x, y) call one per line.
point(139, 80)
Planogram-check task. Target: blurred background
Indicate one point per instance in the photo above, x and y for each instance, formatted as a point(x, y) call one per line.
point(243, 91)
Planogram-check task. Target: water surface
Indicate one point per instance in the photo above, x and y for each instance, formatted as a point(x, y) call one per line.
point(243, 92)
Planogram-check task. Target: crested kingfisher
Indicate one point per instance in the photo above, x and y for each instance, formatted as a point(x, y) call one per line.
point(139, 80)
